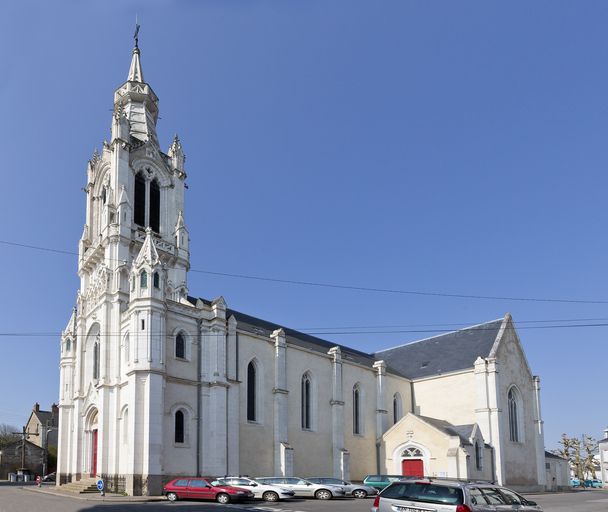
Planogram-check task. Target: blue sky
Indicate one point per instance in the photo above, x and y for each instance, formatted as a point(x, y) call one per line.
point(454, 147)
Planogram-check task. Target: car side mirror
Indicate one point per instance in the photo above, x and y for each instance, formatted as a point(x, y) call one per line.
point(253, 485)
point(531, 503)
point(308, 483)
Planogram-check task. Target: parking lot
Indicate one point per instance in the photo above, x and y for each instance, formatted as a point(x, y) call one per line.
point(27, 499)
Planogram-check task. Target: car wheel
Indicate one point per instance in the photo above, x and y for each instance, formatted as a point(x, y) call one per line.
point(359, 493)
point(270, 496)
point(171, 496)
point(222, 497)
point(323, 494)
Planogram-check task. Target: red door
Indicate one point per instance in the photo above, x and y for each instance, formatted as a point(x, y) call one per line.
point(94, 455)
point(412, 467)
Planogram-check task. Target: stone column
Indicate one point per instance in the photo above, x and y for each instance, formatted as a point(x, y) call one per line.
point(283, 453)
point(337, 417)
point(494, 405)
point(381, 411)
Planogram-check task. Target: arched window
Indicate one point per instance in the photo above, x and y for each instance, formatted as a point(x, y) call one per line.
point(143, 279)
point(156, 279)
point(251, 392)
point(127, 349)
point(125, 426)
point(179, 427)
point(356, 410)
point(514, 434)
point(478, 456)
point(68, 345)
point(180, 346)
point(306, 402)
point(139, 212)
point(412, 452)
point(96, 360)
point(397, 408)
point(155, 206)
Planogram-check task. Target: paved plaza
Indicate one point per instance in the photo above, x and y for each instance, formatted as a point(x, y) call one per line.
point(27, 499)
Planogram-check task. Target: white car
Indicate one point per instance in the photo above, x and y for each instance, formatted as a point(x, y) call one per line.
point(266, 492)
point(305, 488)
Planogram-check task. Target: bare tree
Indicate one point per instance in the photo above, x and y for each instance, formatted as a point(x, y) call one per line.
point(580, 455)
point(6, 434)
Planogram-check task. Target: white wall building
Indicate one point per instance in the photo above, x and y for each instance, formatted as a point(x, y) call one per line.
point(156, 383)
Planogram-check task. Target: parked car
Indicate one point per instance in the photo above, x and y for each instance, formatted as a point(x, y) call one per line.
point(49, 478)
point(449, 496)
point(593, 483)
point(355, 490)
point(381, 481)
point(575, 482)
point(305, 488)
point(260, 490)
point(203, 489)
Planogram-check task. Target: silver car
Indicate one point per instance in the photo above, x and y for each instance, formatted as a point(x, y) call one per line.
point(423, 495)
point(355, 490)
point(260, 490)
point(305, 488)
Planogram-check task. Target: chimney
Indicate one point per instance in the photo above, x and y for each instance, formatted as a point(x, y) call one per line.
point(36, 407)
point(54, 409)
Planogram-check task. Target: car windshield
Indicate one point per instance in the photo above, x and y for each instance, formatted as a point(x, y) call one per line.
point(426, 493)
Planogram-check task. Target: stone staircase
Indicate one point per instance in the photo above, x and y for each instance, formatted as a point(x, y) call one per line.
point(86, 485)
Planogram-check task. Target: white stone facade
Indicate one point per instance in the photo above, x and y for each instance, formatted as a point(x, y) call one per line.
point(156, 384)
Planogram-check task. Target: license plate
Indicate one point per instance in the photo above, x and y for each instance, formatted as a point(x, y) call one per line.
point(411, 509)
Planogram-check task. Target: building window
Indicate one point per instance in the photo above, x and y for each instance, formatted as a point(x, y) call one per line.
point(127, 349)
point(179, 427)
point(143, 279)
point(125, 427)
point(140, 200)
point(96, 360)
point(356, 410)
point(397, 408)
point(306, 402)
point(478, 456)
point(251, 392)
point(514, 433)
point(156, 280)
point(180, 346)
point(155, 206)
point(68, 345)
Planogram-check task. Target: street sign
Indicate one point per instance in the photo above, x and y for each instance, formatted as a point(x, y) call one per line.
point(100, 485)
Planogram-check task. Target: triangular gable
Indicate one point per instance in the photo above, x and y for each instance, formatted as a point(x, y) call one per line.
point(507, 328)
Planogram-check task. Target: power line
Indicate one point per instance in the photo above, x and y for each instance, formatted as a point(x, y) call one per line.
point(315, 333)
point(351, 287)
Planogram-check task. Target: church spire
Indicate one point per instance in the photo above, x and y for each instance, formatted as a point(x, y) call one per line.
point(135, 72)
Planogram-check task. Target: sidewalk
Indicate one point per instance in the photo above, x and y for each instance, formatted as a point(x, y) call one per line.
point(109, 497)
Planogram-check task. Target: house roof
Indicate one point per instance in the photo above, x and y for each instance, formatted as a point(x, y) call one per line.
point(445, 353)
point(605, 440)
point(462, 431)
point(550, 455)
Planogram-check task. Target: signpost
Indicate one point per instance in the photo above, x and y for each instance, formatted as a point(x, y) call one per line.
point(100, 486)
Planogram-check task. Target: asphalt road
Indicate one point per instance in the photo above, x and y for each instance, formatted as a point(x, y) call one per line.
point(17, 499)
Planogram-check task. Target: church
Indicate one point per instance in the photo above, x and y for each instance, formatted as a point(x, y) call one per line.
point(156, 383)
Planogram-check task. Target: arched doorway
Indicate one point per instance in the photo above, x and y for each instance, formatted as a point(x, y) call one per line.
point(91, 447)
point(412, 462)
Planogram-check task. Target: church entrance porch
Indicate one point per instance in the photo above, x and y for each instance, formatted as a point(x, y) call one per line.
point(94, 453)
point(90, 449)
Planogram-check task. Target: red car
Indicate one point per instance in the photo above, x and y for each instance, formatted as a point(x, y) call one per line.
point(201, 489)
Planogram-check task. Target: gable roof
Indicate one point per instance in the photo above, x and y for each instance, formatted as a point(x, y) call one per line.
point(462, 431)
point(550, 455)
point(445, 353)
point(43, 417)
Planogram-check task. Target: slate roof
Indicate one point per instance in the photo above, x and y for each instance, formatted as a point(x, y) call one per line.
point(45, 416)
point(432, 356)
point(553, 456)
point(261, 327)
point(462, 431)
point(444, 353)
point(605, 440)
